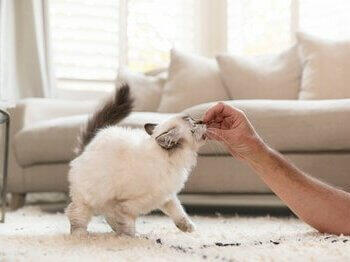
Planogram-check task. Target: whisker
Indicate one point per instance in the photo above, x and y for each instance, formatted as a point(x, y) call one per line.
point(221, 137)
point(217, 146)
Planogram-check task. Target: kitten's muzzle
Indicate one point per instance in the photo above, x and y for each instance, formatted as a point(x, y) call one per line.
point(204, 129)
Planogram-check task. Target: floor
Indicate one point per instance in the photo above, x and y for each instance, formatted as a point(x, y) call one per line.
point(40, 232)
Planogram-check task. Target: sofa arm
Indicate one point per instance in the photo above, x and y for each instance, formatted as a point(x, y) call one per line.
point(27, 112)
point(32, 110)
point(294, 125)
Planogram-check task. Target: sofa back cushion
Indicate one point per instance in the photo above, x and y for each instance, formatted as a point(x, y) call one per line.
point(292, 125)
point(262, 77)
point(192, 80)
point(326, 73)
point(54, 140)
point(145, 89)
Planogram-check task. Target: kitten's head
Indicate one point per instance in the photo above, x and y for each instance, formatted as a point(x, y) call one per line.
point(178, 132)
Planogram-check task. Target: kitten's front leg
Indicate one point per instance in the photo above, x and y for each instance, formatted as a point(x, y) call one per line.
point(175, 211)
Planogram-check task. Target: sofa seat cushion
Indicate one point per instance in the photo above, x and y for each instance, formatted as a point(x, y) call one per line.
point(53, 141)
point(293, 125)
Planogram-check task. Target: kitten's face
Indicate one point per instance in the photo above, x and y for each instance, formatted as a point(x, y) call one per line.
point(178, 132)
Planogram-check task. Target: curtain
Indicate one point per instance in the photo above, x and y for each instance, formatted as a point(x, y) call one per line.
point(25, 60)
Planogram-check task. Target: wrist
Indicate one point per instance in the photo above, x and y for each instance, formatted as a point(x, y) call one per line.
point(259, 153)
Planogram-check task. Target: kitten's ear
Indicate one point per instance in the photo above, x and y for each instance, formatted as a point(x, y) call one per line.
point(149, 127)
point(169, 139)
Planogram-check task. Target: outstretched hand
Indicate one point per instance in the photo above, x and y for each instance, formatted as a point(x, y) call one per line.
point(231, 126)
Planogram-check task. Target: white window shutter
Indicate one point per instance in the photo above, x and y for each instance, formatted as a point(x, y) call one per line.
point(154, 27)
point(85, 38)
point(92, 38)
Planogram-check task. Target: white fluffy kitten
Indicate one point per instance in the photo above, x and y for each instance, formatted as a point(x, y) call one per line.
point(122, 173)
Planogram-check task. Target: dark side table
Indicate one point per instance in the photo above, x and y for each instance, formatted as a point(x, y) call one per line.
point(4, 119)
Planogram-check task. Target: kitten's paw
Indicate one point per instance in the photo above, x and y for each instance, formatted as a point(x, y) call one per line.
point(185, 225)
point(79, 232)
point(128, 232)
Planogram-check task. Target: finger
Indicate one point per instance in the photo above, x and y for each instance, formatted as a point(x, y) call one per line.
point(219, 112)
point(229, 111)
point(213, 112)
point(213, 125)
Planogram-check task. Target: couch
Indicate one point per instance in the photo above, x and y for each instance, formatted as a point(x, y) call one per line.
point(302, 110)
point(313, 134)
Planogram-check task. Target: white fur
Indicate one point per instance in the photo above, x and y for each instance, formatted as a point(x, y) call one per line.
point(124, 172)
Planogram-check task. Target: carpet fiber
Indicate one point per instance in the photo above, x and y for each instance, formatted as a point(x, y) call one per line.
point(30, 234)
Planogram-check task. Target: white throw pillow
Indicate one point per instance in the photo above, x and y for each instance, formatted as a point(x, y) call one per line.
point(192, 80)
point(262, 77)
point(326, 73)
point(146, 90)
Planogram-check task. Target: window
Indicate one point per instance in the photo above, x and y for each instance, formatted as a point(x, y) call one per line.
point(92, 38)
point(258, 27)
point(154, 27)
point(325, 18)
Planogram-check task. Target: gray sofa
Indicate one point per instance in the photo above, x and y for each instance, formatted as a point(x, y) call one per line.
point(315, 135)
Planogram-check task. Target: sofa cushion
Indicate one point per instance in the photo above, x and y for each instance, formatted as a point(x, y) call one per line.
point(262, 77)
point(53, 141)
point(292, 125)
point(326, 73)
point(192, 80)
point(146, 90)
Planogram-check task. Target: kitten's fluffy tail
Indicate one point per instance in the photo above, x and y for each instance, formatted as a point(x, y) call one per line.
point(111, 112)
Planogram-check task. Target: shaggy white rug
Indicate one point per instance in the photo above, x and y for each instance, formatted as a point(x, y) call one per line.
point(30, 234)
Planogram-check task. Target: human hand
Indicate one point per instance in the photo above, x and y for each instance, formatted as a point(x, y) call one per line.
point(231, 126)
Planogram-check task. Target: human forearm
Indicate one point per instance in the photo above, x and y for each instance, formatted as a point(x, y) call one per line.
point(318, 204)
point(322, 206)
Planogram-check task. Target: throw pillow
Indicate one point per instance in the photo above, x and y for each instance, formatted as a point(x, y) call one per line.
point(192, 80)
point(326, 73)
point(262, 77)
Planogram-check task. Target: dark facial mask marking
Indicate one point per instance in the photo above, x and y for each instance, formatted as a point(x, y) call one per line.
point(169, 140)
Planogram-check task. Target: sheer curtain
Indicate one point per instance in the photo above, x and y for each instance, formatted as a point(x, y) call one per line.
point(25, 58)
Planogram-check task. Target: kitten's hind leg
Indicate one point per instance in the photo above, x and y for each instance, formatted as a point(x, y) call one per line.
point(175, 211)
point(79, 216)
point(121, 222)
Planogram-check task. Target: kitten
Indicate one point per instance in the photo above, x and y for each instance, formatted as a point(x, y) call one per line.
point(122, 173)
